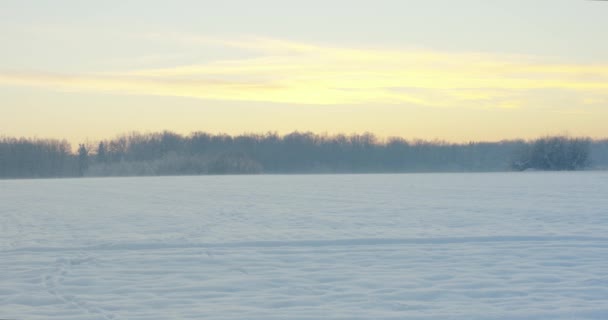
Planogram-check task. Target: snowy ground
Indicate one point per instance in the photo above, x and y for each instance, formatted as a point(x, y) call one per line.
point(415, 246)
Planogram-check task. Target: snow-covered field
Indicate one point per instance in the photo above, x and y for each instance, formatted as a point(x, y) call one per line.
point(412, 246)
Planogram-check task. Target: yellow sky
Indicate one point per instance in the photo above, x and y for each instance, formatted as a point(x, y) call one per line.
point(416, 69)
point(284, 85)
point(300, 73)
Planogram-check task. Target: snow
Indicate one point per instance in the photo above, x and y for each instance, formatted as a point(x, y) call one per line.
point(412, 246)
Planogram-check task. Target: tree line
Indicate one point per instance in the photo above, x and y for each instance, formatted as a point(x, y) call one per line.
point(169, 153)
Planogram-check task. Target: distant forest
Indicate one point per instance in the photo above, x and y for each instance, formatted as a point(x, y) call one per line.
point(168, 153)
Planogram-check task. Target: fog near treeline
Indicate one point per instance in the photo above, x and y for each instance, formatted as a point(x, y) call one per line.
point(168, 153)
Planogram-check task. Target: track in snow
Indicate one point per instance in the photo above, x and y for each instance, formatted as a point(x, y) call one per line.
point(479, 246)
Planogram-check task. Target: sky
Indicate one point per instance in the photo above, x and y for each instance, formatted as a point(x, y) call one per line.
point(467, 70)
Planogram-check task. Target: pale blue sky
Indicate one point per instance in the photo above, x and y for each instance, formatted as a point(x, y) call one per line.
point(77, 39)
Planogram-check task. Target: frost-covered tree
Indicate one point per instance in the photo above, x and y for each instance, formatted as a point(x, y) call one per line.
point(83, 159)
point(34, 158)
point(554, 153)
point(102, 153)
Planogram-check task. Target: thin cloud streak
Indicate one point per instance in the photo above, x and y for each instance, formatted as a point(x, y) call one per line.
point(280, 71)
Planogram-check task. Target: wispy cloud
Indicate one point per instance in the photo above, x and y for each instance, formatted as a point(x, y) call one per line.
point(279, 71)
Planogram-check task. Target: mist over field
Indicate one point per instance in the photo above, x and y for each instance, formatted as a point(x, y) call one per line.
point(168, 153)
